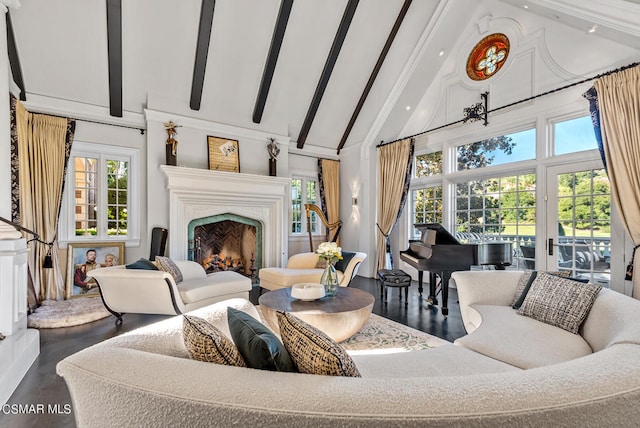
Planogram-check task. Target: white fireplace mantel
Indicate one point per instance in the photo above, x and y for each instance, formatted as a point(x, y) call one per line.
point(198, 193)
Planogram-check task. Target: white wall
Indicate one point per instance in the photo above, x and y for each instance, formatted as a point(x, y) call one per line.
point(109, 135)
point(545, 55)
point(193, 152)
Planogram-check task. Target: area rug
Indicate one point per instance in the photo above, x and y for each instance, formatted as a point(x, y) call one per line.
point(67, 313)
point(383, 335)
point(386, 336)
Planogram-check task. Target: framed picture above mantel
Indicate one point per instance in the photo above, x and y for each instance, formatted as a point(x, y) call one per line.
point(224, 154)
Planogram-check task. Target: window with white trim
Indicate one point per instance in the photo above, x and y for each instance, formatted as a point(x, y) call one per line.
point(102, 195)
point(426, 204)
point(304, 190)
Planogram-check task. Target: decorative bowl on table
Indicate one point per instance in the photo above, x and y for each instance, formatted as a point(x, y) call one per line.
point(307, 291)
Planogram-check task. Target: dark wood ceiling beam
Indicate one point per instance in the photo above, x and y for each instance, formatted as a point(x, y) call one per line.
point(374, 72)
point(202, 50)
point(272, 59)
point(14, 59)
point(341, 34)
point(114, 49)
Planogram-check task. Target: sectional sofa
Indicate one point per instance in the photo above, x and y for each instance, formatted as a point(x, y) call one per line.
point(145, 377)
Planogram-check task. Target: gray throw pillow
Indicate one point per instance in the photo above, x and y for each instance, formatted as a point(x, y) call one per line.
point(559, 301)
point(167, 265)
point(525, 283)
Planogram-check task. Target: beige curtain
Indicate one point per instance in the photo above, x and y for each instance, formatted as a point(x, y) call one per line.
point(394, 163)
point(42, 154)
point(331, 184)
point(619, 100)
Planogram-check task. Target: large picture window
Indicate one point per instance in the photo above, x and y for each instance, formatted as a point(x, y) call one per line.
point(500, 208)
point(497, 150)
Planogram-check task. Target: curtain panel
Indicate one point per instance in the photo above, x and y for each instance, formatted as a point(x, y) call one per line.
point(329, 183)
point(43, 147)
point(619, 101)
point(395, 162)
point(594, 109)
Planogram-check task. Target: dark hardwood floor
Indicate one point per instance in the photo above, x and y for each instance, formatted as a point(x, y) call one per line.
point(42, 386)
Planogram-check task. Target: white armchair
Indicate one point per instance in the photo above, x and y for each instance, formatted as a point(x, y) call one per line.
point(302, 268)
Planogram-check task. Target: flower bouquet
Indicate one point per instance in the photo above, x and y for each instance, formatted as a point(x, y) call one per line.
point(330, 252)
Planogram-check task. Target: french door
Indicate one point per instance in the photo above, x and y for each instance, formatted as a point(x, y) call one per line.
point(579, 222)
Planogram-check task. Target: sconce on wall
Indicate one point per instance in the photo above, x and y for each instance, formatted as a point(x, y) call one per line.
point(354, 201)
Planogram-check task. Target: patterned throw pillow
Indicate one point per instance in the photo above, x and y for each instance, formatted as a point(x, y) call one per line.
point(321, 263)
point(206, 343)
point(167, 265)
point(313, 351)
point(525, 283)
point(559, 302)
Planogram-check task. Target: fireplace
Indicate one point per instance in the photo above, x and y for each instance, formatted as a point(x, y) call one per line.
point(227, 242)
point(199, 196)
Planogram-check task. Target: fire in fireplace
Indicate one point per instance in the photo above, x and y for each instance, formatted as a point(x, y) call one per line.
point(226, 242)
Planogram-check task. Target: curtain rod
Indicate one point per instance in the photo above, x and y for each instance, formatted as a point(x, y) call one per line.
point(311, 156)
point(90, 121)
point(617, 70)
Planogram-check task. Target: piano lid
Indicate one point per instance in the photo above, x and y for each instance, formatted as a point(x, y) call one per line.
point(442, 235)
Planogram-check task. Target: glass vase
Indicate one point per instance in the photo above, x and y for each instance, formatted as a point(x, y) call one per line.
point(330, 280)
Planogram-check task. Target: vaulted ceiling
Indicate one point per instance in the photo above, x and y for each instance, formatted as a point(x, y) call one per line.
point(319, 71)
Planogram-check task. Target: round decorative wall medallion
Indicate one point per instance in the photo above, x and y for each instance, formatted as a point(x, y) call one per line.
point(488, 56)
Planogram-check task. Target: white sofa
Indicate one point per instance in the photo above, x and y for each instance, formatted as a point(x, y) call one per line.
point(302, 268)
point(155, 291)
point(144, 378)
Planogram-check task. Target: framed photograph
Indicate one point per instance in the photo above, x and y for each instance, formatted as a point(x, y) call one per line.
point(86, 256)
point(224, 154)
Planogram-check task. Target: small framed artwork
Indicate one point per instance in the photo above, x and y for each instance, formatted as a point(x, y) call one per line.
point(224, 154)
point(84, 257)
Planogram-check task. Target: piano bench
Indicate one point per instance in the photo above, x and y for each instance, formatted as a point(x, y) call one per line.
point(394, 278)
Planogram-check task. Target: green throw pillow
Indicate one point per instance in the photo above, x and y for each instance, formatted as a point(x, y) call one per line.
point(260, 348)
point(341, 265)
point(142, 264)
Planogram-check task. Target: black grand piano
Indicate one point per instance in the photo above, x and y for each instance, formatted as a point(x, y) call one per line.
point(441, 254)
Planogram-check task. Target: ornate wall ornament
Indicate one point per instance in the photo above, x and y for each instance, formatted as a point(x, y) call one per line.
point(488, 56)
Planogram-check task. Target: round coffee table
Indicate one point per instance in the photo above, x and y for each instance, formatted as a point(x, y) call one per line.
point(340, 317)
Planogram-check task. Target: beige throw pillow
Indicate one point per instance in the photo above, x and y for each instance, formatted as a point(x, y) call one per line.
point(313, 351)
point(560, 302)
point(206, 343)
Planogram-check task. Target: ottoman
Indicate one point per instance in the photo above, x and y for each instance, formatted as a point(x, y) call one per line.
point(394, 278)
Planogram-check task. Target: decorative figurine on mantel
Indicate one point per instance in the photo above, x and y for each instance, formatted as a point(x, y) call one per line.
point(273, 149)
point(171, 146)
